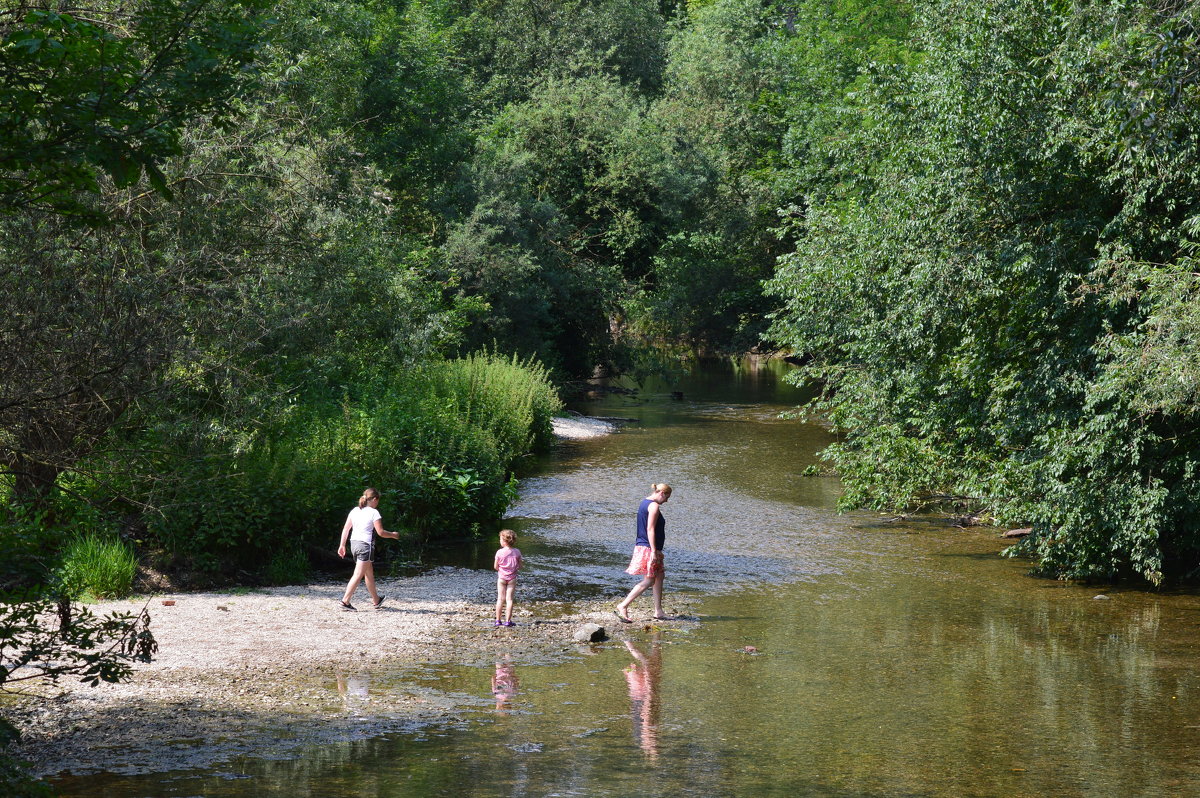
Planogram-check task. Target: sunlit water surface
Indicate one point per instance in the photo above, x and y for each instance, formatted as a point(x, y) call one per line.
point(833, 655)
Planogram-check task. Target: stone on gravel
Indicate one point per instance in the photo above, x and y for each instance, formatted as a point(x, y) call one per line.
point(590, 633)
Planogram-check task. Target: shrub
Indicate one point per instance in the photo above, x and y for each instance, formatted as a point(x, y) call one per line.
point(288, 566)
point(512, 399)
point(97, 566)
point(440, 443)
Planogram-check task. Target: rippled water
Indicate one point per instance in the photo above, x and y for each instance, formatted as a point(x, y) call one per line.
point(834, 655)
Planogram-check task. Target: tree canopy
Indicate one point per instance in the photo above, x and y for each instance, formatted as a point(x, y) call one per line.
point(251, 226)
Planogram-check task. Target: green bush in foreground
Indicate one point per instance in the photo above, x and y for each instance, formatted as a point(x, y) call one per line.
point(16, 782)
point(97, 566)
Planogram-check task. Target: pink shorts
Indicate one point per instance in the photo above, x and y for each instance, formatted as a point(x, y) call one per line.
point(643, 564)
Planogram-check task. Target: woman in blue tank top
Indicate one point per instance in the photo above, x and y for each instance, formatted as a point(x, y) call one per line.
point(648, 551)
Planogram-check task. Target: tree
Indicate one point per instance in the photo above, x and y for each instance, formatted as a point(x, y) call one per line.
point(975, 301)
point(575, 190)
point(107, 87)
point(720, 104)
point(96, 649)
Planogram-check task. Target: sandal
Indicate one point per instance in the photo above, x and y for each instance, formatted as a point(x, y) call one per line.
point(379, 603)
point(346, 606)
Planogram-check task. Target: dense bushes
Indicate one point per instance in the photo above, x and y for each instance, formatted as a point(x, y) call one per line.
point(1001, 301)
point(440, 443)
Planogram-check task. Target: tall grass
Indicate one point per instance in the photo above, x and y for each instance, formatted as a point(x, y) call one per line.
point(288, 566)
point(511, 398)
point(96, 566)
point(440, 442)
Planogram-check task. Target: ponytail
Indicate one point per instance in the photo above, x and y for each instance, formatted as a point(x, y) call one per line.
point(661, 487)
point(368, 494)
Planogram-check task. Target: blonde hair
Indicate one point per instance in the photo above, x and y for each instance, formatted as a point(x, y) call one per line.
point(661, 487)
point(507, 537)
point(368, 494)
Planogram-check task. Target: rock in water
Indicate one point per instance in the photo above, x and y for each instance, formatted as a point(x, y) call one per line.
point(590, 633)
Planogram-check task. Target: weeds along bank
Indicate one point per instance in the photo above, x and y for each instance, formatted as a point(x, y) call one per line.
point(439, 441)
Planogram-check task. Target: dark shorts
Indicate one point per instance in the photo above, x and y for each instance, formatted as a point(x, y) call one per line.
point(364, 552)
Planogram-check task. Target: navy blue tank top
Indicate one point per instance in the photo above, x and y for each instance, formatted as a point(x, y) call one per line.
point(660, 526)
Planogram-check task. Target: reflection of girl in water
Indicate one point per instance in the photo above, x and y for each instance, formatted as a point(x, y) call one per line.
point(642, 676)
point(354, 690)
point(504, 683)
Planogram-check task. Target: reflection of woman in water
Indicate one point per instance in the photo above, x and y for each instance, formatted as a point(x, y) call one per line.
point(642, 676)
point(504, 683)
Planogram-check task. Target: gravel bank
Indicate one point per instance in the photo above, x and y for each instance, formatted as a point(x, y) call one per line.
point(267, 671)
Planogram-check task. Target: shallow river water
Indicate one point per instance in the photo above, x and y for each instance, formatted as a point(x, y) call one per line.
point(830, 655)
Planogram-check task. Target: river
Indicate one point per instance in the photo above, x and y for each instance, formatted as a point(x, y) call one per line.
point(851, 656)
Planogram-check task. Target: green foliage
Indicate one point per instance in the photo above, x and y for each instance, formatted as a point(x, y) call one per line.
point(512, 45)
point(289, 566)
point(439, 442)
point(106, 88)
point(997, 290)
point(96, 567)
point(94, 648)
point(29, 538)
point(722, 104)
point(16, 782)
point(510, 398)
point(575, 190)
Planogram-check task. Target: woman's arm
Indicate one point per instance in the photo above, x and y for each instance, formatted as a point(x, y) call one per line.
point(651, 517)
point(345, 534)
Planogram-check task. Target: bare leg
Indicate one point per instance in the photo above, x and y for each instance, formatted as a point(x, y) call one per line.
point(658, 594)
point(638, 589)
point(354, 580)
point(499, 600)
point(508, 594)
point(369, 577)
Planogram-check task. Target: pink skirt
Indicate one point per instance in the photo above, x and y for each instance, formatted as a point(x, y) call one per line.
point(644, 564)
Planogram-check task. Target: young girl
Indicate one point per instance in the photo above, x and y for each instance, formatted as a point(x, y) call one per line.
point(366, 523)
point(648, 551)
point(506, 564)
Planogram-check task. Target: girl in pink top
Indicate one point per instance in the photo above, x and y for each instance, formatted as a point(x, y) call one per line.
point(506, 565)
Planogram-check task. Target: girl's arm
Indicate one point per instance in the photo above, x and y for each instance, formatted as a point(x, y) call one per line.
point(496, 562)
point(345, 534)
point(383, 533)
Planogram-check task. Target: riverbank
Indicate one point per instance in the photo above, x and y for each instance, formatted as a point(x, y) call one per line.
point(268, 671)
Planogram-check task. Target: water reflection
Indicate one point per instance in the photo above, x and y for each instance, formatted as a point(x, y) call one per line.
point(893, 661)
point(505, 684)
point(643, 676)
point(354, 690)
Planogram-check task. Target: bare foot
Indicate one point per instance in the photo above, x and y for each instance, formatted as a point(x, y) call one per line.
point(622, 614)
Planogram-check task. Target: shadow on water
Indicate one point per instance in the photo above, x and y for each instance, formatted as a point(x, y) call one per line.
point(834, 655)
